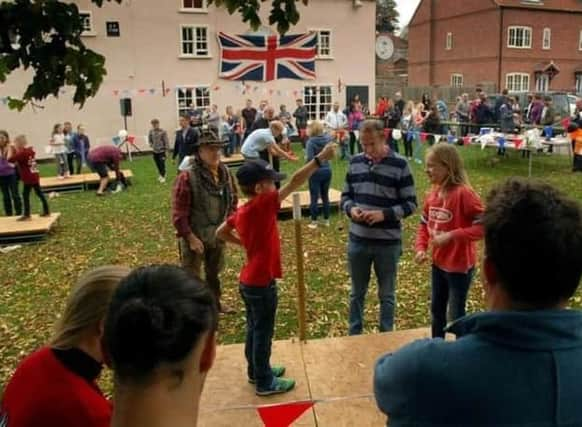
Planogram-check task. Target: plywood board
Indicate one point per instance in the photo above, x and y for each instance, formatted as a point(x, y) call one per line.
point(77, 180)
point(235, 159)
point(227, 385)
point(340, 367)
point(9, 226)
point(334, 198)
point(356, 412)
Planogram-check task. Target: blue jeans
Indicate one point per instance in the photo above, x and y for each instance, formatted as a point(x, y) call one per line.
point(233, 142)
point(261, 307)
point(361, 258)
point(319, 187)
point(61, 160)
point(448, 289)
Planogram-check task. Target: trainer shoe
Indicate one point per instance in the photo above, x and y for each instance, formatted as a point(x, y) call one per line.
point(312, 225)
point(279, 386)
point(278, 371)
point(24, 218)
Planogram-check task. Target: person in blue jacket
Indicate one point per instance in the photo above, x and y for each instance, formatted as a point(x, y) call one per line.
point(320, 181)
point(520, 362)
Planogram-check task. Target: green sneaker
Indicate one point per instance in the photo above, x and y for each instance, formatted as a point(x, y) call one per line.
point(278, 371)
point(280, 385)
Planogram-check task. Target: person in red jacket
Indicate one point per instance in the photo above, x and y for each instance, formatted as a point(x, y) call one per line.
point(451, 221)
point(55, 386)
point(24, 158)
point(103, 158)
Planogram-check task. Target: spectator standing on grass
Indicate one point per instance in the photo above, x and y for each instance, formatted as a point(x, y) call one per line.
point(399, 103)
point(72, 155)
point(499, 101)
point(160, 336)
point(59, 150)
point(249, 115)
point(355, 120)
point(300, 114)
point(25, 159)
point(426, 101)
point(519, 363)
point(213, 119)
point(462, 112)
point(56, 386)
point(432, 125)
point(528, 109)
point(81, 146)
point(537, 110)
point(407, 126)
point(443, 111)
point(204, 196)
point(159, 143)
point(320, 181)
point(8, 178)
point(450, 223)
point(186, 140)
point(337, 122)
point(484, 115)
point(379, 193)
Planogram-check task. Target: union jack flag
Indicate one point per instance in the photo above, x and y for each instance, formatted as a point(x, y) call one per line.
point(266, 58)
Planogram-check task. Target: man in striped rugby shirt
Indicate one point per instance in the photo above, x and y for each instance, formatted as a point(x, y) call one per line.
point(379, 192)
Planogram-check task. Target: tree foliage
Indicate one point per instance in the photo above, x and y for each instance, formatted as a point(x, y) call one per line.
point(386, 15)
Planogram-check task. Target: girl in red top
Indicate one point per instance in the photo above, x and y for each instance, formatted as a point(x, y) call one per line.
point(55, 386)
point(24, 157)
point(451, 221)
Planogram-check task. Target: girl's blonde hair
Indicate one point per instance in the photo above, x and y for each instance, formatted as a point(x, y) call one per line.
point(409, 107)
point(448, 156)
point(315, 128)
point(87, 305)
point(420, 107)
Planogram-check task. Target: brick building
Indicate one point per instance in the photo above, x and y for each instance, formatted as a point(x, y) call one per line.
point(392, 71)
point(524, 45)
point(165, 56)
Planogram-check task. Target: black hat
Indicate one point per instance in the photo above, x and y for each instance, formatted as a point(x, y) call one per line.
point(209, 136)
point(253, 171)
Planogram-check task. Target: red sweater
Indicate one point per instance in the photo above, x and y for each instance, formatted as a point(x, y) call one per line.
point(460, 213)
point(27, 167)
point(43, 392)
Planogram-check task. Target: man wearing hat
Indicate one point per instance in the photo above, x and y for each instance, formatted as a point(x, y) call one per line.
point(204, 196)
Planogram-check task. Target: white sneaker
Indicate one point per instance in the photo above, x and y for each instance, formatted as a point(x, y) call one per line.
point(325, 223)
point(162, 180)
point(312, 225)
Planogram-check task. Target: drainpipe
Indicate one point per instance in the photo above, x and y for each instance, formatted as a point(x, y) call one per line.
point(431, 45)
point(500, 55)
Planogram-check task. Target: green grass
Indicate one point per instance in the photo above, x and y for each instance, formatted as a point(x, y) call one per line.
point(134, 228)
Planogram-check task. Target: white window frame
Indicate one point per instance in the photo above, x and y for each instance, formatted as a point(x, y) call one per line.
point(202, 101)
point(542, 82)
point(457, 80)
point(580, 41)
point(320, 109)
point(194, 41)
point(449, 41)
point(91, 32)
point(512, 86)
point(318, 54)
point(578, 82)
point(547, 39)
point(513, 43)
point(203, 9)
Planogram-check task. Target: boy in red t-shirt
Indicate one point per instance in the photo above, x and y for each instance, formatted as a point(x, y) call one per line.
point(24, 158)
point(254, 226)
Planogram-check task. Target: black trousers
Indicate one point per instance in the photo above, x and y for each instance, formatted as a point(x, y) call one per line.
point(276, 163)
point(355, 147)
point(74, 159)
point(10, 195)
point(160, 160)
point(39, 193)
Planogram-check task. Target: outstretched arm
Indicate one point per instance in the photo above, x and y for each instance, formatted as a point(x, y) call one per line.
point(228, 234)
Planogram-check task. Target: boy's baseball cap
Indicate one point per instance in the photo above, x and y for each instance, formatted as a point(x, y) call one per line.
point(253, 171)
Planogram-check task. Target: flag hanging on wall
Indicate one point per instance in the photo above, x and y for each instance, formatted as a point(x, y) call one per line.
point(266, 58)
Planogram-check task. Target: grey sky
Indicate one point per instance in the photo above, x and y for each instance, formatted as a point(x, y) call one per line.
point(406, 8)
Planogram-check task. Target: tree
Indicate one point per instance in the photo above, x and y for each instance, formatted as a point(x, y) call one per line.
point(386, 15)
point(44, 38)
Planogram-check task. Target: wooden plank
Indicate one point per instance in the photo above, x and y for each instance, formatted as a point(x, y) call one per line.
point(287, 204)
point(233, 161)
point(54, 183)
point(9, 226)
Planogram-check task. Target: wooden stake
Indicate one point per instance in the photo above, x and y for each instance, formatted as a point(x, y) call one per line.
point(300, 270)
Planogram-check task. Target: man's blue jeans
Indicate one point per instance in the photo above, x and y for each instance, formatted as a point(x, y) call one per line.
point(261, 307)
point(448, 289)
point(384, 258)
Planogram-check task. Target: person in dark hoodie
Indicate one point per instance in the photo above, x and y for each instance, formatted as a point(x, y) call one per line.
point(520, 363)
point(321, 179)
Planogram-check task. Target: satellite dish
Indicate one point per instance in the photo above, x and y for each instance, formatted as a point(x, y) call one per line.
point(384, 47)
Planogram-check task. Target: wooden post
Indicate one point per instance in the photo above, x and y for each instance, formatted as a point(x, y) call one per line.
point(300, 271)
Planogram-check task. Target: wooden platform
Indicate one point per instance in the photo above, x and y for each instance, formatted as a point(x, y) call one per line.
point(335, 373)
point(76, 182)
point(233, 161)
point(13, 231)
point(334, 199)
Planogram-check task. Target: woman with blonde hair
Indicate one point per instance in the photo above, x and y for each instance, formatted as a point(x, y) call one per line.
point(320, 181)
point(451, 223)
point(56, 385)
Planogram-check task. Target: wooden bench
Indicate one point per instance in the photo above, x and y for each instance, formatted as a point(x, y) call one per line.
point(76, 182)
point(13, 231)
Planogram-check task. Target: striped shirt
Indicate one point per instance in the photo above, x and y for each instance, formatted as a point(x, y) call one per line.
point(387, 186)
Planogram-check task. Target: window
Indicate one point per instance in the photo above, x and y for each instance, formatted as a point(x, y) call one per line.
point(112, 29)
point(517, 82)
point(318, 101)
point(194, 6)
point(449, 42)
point(542, 82)
point(547, 39)
point(456, 80)
point(579, 83)
point(87, 19)
point(190, 98)
point(194, 41)
point(519, 37)
point(323, 43)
